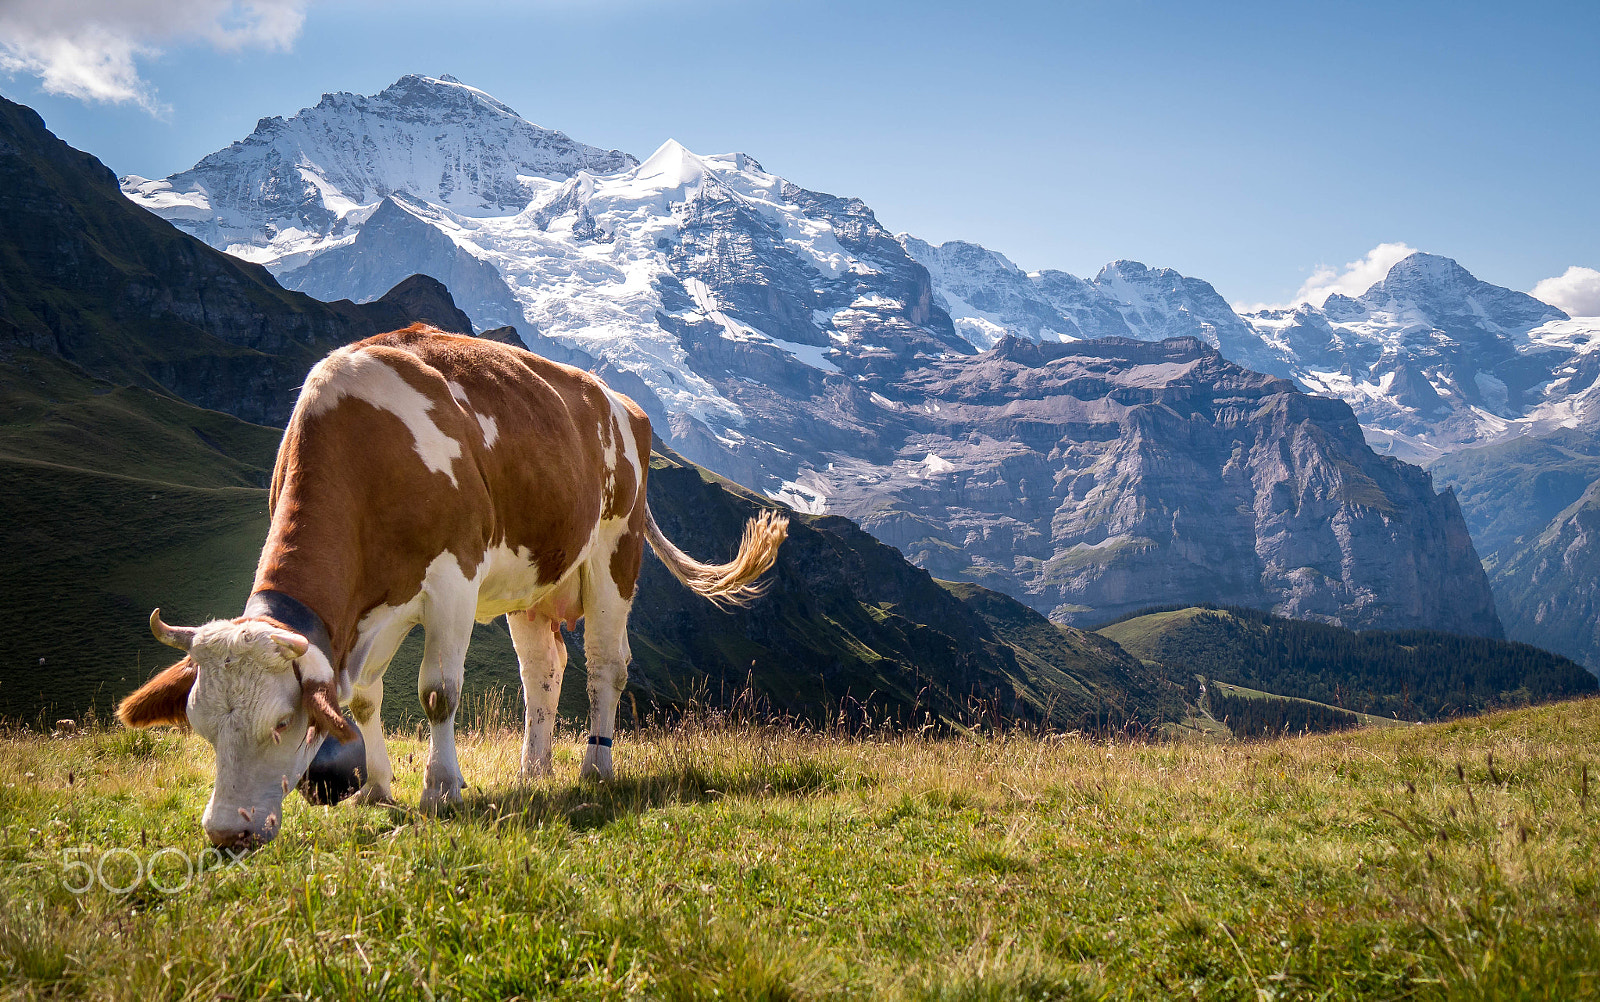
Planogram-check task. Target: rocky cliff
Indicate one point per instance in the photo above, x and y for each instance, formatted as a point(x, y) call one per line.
point(1550, 586)
point(1098, 477)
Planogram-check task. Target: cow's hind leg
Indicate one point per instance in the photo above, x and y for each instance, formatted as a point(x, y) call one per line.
point(608, 586)
point(444, 655)
point(542, 655)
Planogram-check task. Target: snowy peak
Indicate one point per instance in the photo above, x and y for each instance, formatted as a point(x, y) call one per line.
point(988, 297)
point(1433, 358)
point(295, 183)
point(1430, 287)
point(671, 167)
point(428, 94)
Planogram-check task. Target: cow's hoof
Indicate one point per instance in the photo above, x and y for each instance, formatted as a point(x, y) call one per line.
point(601, 771)
point(442, 796)
point(373, 796)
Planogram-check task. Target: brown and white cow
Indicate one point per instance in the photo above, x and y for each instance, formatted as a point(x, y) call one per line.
point(431, 479)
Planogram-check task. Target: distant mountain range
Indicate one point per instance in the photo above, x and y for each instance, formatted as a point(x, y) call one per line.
point(527, 226)
point(1430, 358)
point(781, 337)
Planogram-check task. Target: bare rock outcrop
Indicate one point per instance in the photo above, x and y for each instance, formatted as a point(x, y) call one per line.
point(1097, 477)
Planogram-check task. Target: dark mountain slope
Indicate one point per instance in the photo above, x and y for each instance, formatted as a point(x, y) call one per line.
point(1533, 505)
point(847, 616)
point(1514, 488)
point(90, 278)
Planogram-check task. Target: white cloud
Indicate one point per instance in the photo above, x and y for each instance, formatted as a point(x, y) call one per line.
point(1575, 291)
point(89, 49)
point(1353, 279)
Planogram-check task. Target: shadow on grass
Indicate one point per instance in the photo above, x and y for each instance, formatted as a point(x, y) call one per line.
point(591, 804)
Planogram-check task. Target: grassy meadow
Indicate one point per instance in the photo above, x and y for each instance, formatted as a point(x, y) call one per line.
point(755, 861)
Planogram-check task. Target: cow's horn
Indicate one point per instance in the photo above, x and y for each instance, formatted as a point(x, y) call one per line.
point(293, 645)
point(180, 637)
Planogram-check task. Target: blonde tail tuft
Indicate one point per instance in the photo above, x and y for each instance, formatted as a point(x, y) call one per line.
point(735, 583)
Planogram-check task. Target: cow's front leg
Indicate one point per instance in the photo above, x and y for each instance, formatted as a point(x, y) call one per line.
point(366, 705)
point(444, 655)
point(542, 655)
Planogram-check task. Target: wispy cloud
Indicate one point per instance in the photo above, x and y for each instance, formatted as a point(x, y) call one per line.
point(1575, 291)
point(90, 49)
point(1353, 279)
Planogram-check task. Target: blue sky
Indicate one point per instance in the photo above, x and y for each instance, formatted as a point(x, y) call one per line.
point(1247, 144)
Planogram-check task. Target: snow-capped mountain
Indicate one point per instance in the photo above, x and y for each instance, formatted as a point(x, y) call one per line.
point(988, 297)
point(295, 187)
point(1431, 358)
point(785, 339)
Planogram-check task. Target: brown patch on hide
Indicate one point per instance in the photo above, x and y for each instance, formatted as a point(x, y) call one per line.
point(438, 703)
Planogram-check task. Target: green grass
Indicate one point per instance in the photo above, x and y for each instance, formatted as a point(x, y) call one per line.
point(1141, 635)
point(1367, 719)
point(757, 862)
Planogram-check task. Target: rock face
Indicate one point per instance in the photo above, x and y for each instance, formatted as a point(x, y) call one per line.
point(1431, 358)
point(1550, 587)
point(783, 338)
point(1531, 503)
point(1099, 477)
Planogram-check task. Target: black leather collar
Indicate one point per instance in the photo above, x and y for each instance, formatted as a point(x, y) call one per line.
point(294, 614)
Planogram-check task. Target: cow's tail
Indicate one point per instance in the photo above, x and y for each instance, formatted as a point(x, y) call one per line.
point(734, 583)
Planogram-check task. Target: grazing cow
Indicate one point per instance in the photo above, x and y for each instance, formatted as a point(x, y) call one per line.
point(431, 479)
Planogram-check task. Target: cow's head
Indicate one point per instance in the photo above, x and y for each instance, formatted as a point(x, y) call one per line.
point(264, 698)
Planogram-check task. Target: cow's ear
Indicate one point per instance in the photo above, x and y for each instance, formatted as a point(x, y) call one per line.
point(162, 700)
point(322, 710)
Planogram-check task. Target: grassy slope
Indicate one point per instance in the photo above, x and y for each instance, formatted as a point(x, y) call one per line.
point(1060, 661)
point(117, 500)
point(1376, 672)
point(1141, 635)
point(762, 863)
point(1367, 719)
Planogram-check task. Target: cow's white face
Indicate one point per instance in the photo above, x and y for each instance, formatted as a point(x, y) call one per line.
point(248, 702)
point(265, 699)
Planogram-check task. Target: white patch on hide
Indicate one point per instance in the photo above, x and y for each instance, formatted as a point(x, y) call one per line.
point(354, 373)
